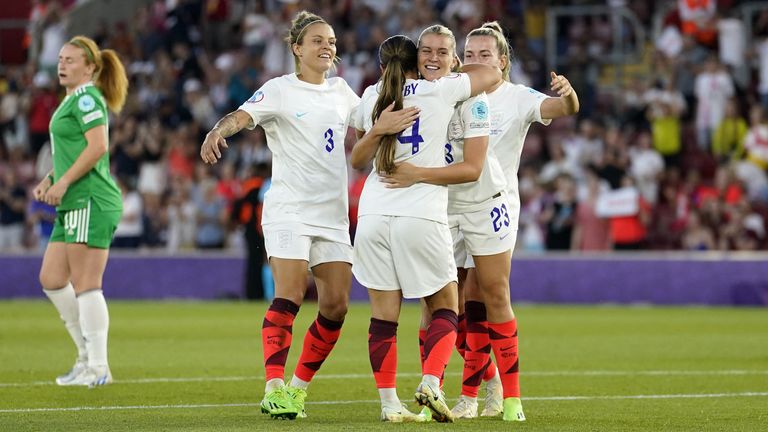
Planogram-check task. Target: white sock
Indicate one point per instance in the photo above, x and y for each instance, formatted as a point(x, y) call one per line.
point(472, 400)
point(432, 381)
point(299, 383)
point(494, 381)
point(65, 302)
point(94, 320)
point(389, 399)
point(273, 384)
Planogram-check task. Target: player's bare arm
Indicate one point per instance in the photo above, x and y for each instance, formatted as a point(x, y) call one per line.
point(567, 102)
point(229, 125)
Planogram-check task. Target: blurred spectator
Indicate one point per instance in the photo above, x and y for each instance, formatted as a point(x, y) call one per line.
point(211, 214)
point(41, 216)
point(713, 88)
point(756, 142)
point(646, 166)
point(13, 200)
point(629, 231)
point(697, 237)
point(559, 214)
point(41, 105)
point(181, 217)
point(728, 139)
point(131, 226)
point(665, 109)
point(591, 232)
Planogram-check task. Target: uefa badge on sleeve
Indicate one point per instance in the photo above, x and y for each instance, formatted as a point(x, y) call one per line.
point(86, 103)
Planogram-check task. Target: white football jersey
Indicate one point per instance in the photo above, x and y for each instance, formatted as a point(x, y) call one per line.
point(422, 145)
point(305, 126)
point(513, 108)
point(471, 119)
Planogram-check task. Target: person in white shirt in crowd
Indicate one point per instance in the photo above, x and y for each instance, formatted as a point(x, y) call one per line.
point(646, 166)
point(712, 87)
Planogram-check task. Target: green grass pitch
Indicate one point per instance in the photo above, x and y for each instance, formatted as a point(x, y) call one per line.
point(189, 366)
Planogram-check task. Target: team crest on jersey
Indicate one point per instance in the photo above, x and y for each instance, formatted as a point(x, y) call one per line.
point(86, 103)
point(480, 110)
point(257, 97)
point(455, 130)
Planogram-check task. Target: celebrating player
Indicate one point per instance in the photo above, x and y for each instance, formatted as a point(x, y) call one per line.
point(402, 245)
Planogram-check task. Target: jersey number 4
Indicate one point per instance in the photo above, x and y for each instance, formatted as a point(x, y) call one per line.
point(414, 139)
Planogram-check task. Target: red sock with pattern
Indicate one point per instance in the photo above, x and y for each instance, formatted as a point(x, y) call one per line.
point(461, 335)
point(477, 355)
point(504, 343)
point(276, 335)
point(440, 342)
point(318, 343)
point(382, 351)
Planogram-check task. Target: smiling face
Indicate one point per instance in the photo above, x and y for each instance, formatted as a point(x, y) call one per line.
point(436, 56)
point(73, 70)
point(483, 50)
point(317, 48)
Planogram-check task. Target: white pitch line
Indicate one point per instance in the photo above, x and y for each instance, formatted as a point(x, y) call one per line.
point(414, 375)
point(353, 402)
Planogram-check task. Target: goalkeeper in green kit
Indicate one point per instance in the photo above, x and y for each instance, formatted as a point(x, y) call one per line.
point(88, 203)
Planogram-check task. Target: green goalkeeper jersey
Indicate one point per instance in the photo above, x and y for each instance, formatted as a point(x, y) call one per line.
point(80, 111)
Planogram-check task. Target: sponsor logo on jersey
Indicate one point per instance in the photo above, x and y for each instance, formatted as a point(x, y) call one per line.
point(257, 97)
point(86, 103)
point(301, 114)
point(479, 125)
point(92, 116)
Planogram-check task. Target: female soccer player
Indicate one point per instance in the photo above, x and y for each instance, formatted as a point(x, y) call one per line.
point(305, 116)
point(402, 245)
point(87, 200)
point(488, 308)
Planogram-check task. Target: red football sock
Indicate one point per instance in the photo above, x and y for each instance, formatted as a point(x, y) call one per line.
point(276, 335)
point(382, 351)
point(478, 349)
point(504, 343)
point(318, 343)
point(440, 341)
point(422, 339)
point(461, 335)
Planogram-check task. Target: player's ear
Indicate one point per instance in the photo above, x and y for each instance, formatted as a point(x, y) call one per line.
point(296, 49)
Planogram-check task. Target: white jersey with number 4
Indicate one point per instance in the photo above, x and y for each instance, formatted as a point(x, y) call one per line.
point(422, 145)
point(513, 108)
point(471, 119)
point(305, 126)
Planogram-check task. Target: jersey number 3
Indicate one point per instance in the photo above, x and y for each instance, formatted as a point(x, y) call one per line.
point(329, 138)
point(414, 139)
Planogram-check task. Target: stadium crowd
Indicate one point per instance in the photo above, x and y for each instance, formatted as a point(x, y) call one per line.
point(674, 155)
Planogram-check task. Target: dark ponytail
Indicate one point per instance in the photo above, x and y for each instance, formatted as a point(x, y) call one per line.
point(397, 56)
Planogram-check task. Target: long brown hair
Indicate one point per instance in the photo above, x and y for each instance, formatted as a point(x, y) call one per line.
point(397, 55)
point(493, 29)
point(109, 73)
